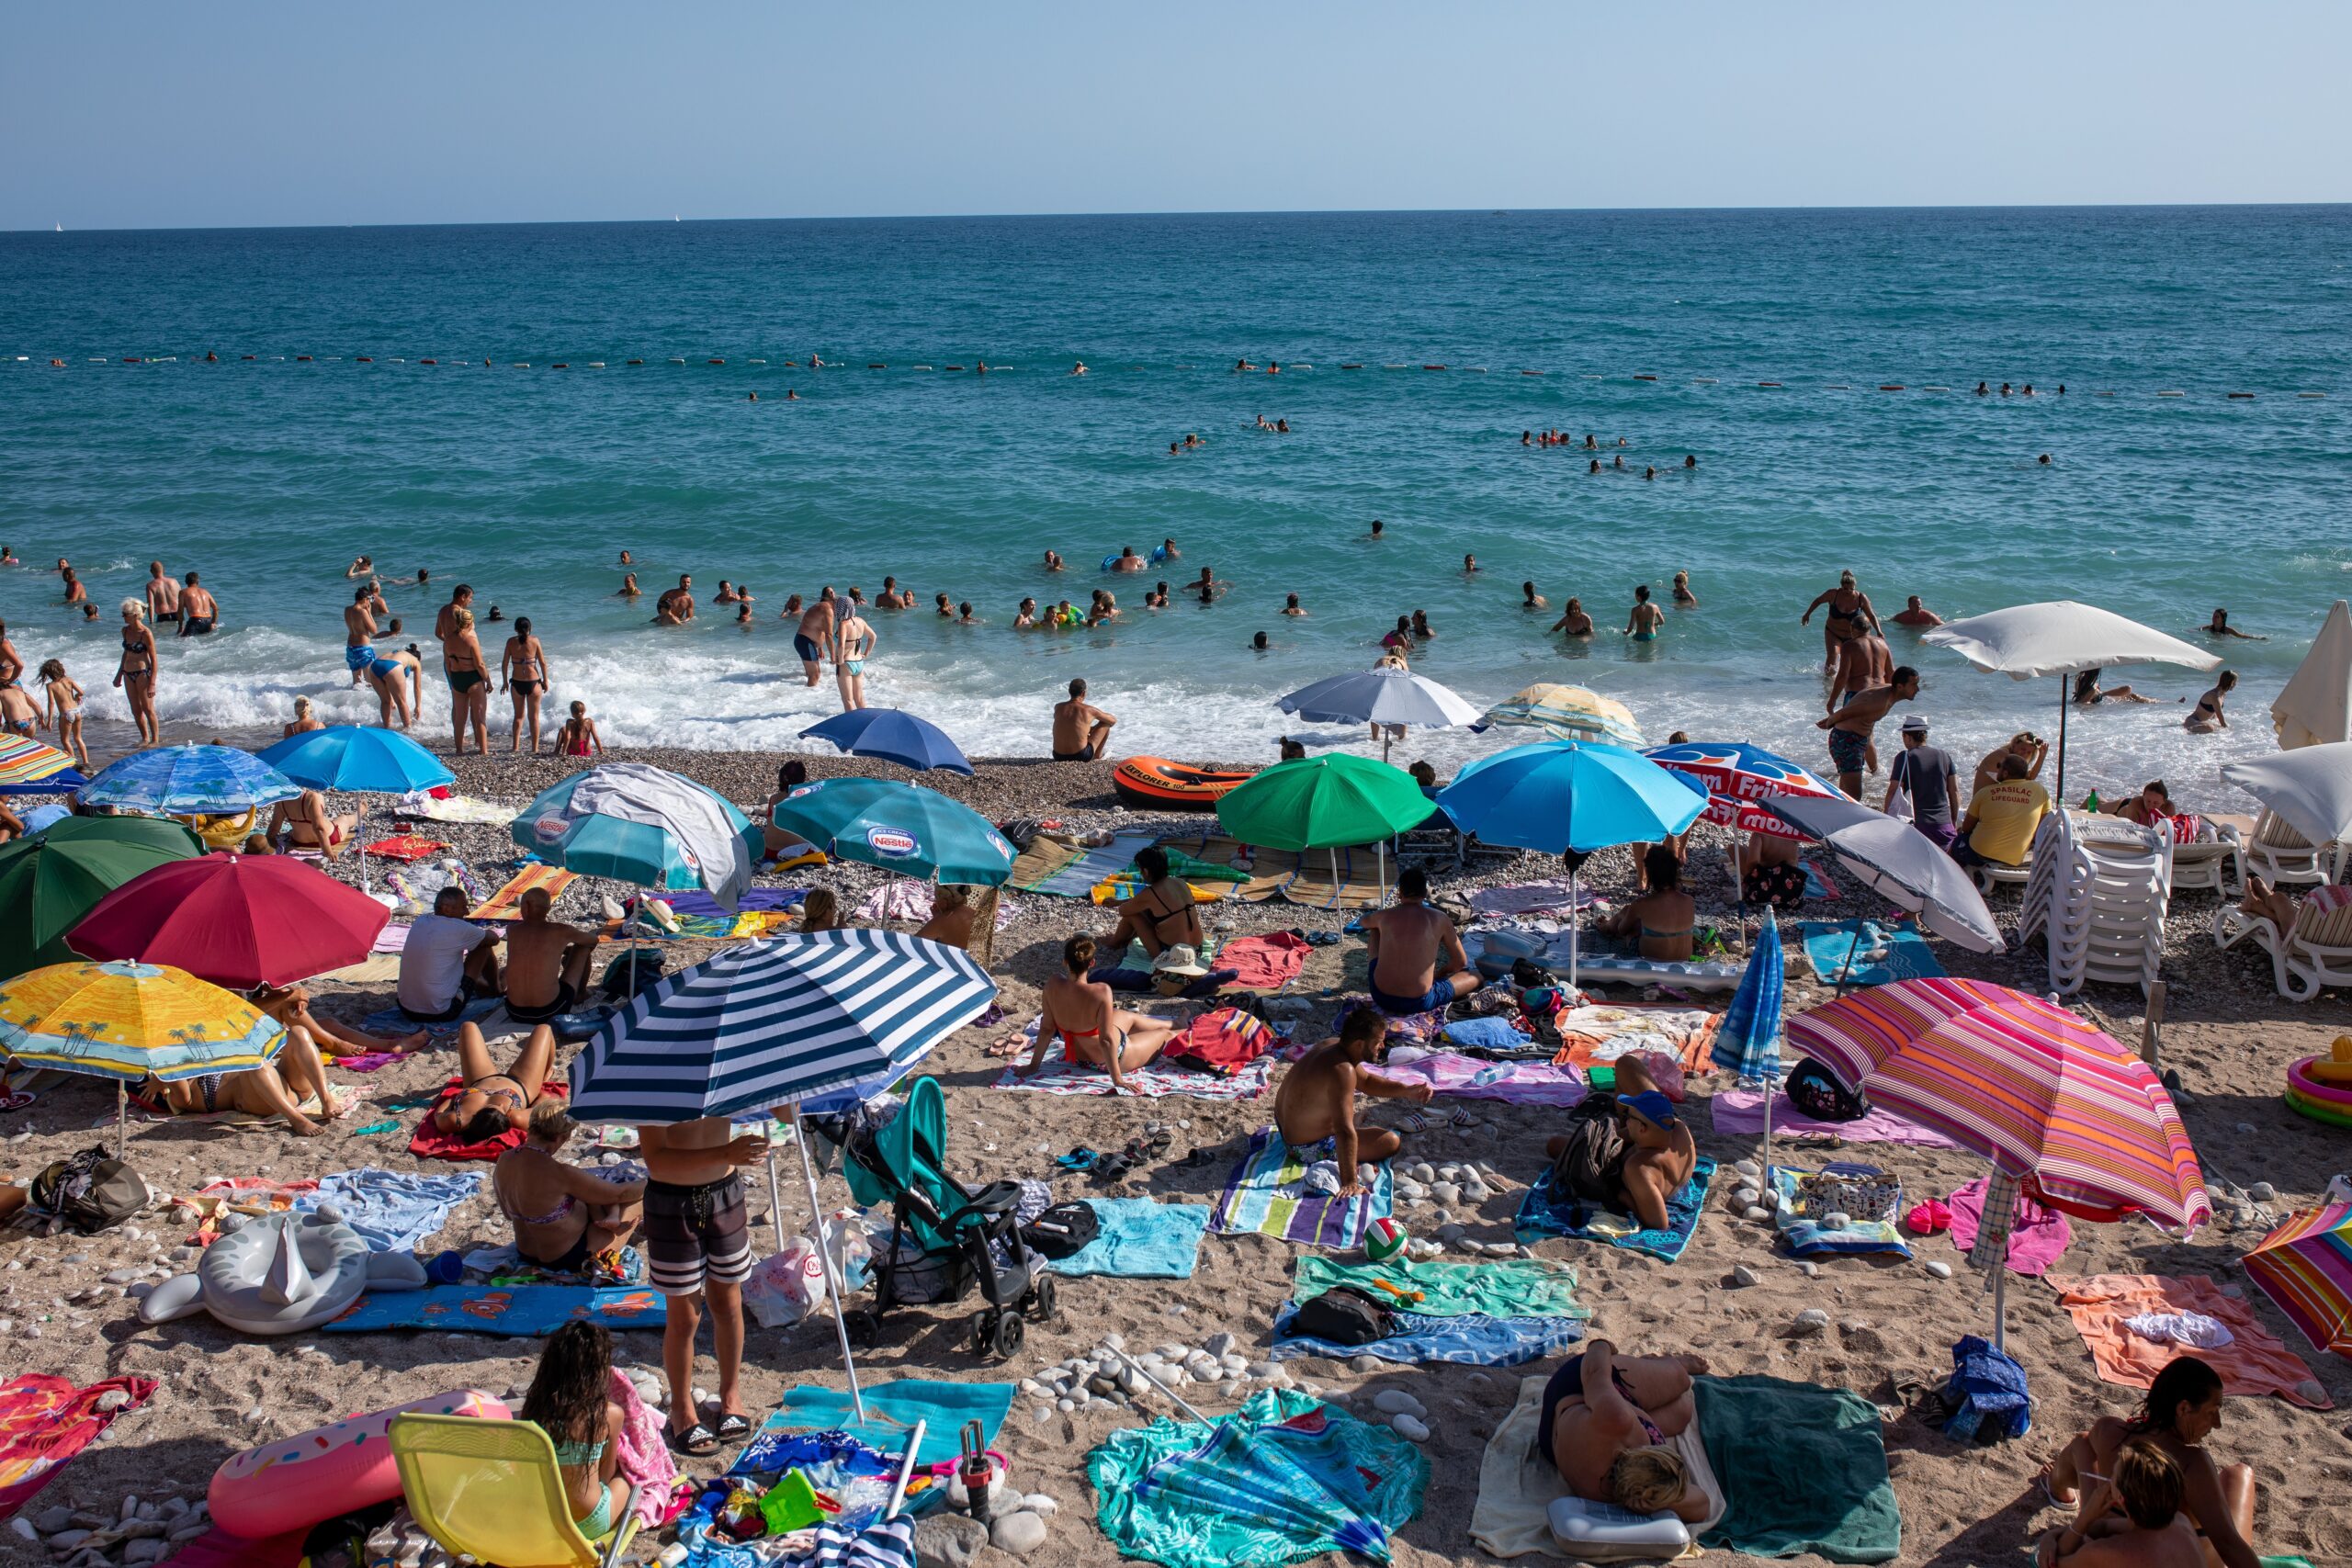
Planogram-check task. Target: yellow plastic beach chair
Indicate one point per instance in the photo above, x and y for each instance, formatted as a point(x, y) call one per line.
point(491, 1491)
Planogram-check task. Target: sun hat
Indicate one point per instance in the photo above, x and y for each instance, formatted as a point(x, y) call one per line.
point(1915, 725)
point(1182, 958)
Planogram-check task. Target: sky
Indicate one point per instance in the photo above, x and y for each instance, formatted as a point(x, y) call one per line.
point(149, 115)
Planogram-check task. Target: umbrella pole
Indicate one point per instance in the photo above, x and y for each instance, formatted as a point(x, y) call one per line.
point(775, 1199)
point(121, 1116)
point(1575, 924)
point(2062, 754)
point(1846, 970)
point(833, 1283)
point(2001, 1299)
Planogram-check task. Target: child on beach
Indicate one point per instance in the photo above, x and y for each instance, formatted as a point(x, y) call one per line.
point(570, 1400)
point(63, 709)
point(578, 734)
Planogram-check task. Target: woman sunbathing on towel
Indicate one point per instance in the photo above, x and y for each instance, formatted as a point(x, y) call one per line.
point(1093, 1028)
point(2183, 1407)
point(1608, 1423)
point(290, 1005)
point(276, 1087)
point(493, 1101)
point(1662, 920)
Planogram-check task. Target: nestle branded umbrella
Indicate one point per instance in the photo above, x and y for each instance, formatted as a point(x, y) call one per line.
point(1380, 695)
point(2314, 707)
point(188, 781)
point(358, 760)
point(1737, 777)
point(892, 736)
point(899, 827)
point(236, 921)
point(1748, 1041)
point(49, 883)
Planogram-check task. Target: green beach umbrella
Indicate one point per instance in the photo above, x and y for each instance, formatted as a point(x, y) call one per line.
point(50, 881)
point(1318, 803)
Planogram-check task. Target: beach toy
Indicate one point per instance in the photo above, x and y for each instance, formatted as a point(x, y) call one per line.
point(281, 1274)
point(294, 1483)
point(1154, 783)
point(1384, 1239)
point(2334, 1069)
point(1605, 1530)
point(2306, 1096)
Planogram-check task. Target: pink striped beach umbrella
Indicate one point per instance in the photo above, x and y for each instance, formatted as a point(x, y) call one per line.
point(2305, 1268)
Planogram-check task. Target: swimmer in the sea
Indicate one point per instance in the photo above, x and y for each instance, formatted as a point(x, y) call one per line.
point(1644, 621)
point(2089, 692)
point(1572, 620)
point(628, 560)
point(1469, 566)
point(2219, 626)
point(1281, 427)
point(1052, 561)
point(1209, 584)
point(964, 616)
point(360, 566)
point(940, 605)
point(2208, 717)
point(1026, 618)
point(1682, 594)
point(1421, 628)
point(1078, 369)
point(1128, 560)
point(1532, 600)
point(1291, 605)
point(1649, 473)
point(1915, 614)
point(1689, 461)
point(1375, 528)
point(1168, 550)
point(1258, 643)
point(2044, 458)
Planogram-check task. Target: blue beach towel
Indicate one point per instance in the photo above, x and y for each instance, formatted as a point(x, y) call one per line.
point(1140, 1239)
point(894, 1408)
point(393, 1210)
point(516, 1312)
point(1472, 1339)
point(1909, 956)
point(1540, 1214)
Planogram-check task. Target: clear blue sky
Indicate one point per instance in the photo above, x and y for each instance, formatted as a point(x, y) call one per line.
point(144, 114)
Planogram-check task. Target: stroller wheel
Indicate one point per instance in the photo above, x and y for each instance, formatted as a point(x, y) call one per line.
point(983, 1327)
point(1043, 1297)
point(1005, 1342)
point(863, 1327)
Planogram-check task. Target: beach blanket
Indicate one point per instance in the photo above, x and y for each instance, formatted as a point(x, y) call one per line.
point(218, 1549)
point(431, 1143)
point(1468, 1340)
point(1542, 1213)
point(695, 901)
point(1267, 1193)
point(376, 969)
point(489, 1014)
point(420, 882)
point(394, 937)
point(45, 1421)
point(1529, 898)
point(894, 1408)
point(1070, 871)
point(1514, 1287)
point(1451, 1073)
point(513, 1312)
point(644, 1457)
point(1601, 1033)
point(1739, 1110)
point(1265, 962)
point(1140, 1239)
point(454, 809)
point(1907, 954)
point(1803, 1467)
point(1060, 1075)
point(2255, 1361)
point(393, 1210)
point(1871, 1200)
point(1516, 1488)
point(1285, 1477)
point(392, 1022)
point(404, 847)
point(506, 903)
point(2041, 1234)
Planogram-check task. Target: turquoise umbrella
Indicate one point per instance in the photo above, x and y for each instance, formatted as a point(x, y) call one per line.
point(360, 759)
point(645, 853)
point(899, 827)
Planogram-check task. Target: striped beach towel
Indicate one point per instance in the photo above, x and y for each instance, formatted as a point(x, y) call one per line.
point(1267, 1194)
point(1075, 876)
point(407, 847)
point(506, 903)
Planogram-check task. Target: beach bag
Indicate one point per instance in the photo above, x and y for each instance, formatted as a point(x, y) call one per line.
point(631, 973)
point(1062, 1231)
point(1812, 1089)
point(1591, 1166)
point(90, 1192)
point(1986, 1395)
point(1343, 1315)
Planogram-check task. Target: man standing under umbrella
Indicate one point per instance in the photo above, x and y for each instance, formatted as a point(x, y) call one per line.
point(1849, 727)
point(698, 1251)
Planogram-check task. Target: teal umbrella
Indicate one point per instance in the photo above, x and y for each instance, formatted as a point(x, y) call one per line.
point(899, 827)
point(645, 852)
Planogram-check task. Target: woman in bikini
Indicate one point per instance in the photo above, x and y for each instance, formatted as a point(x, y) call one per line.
point(308, 827)
point(1664, 917)
point(522, 670)
point(2183, 1408)
point(461, 662)
point(304, 720)
point(1091, 1026)
point(491, 1101)
point(136, 673)
point(1162, 914)
point(1849, 616)
point(852, 643)
point(2089, 692)
point(276, 1087)
point(565, 1217)
point(2208, 717)
point(397, 681)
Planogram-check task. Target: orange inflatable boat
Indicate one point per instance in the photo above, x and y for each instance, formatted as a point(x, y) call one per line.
point(1154, 783)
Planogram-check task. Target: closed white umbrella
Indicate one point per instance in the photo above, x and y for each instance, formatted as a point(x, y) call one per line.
point(1889, 857)
point(2315, 708)
point(2060, 637)
point(2310, 788)
point(1381, 695)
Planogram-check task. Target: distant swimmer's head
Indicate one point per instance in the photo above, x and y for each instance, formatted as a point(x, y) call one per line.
point(2221, 619)
point(1258, 641)
point(1527, 588)
point(1290, 601)
point(1375, 527)
point(2044, 459)
point(1689, 461)
point(1642, 593)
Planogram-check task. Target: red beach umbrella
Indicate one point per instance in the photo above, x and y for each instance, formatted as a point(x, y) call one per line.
point(236, 921)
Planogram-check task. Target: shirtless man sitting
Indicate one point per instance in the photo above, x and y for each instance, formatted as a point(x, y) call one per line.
point(547, 961)
point(1647, 1161)
point(1607, 1424)
point(1080, 729)
point(1851, 727)
point(815, 637)
point(1317, 1099)
point(493, 1101)
point(1404, 944)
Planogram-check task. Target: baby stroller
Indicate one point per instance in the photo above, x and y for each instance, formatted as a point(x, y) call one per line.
point(943, 1238)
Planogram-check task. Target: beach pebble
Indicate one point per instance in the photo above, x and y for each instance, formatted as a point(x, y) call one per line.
point(66, 1540)
point(1265, 1369)
point(949, 1541)
point(1757, 1211)
point(1810, 1271)
point(1813, 1320)
point(1446, 1192)
point(1424, 1173)
point(1749, 1167)
point(2310, 1392)
point(1365, 1364)
point(54, 1520)
point(1219, 1344)
point(1940, 1269)
point(24, 1526)
point(1410, 1429)
point(1041, 1504)
point(1476, 1192)
point(2262, 1192)
point(145, 1552)
point(1396, 1402)
point(1065, 1405)
point(1743, 1275)
point(1746, 1197)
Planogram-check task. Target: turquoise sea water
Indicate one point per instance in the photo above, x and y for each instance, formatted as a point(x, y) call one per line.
point(269, 474)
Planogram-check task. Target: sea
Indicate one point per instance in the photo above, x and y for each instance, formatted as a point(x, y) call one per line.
point(512, 407)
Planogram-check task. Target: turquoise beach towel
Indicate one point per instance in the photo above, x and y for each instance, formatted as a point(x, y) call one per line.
point(1541, 1215)
point(1909, 956)
point(1140, 1239)
point(894, 1408)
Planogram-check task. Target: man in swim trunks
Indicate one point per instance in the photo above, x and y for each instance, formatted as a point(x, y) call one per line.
point(699, 1252)
point(1915, 614)
point(547, 961)
point(1625, 1149)
point(1128, 560)
point(815, 638)
point(199, 611)
point(1317, 1099)
point(1849, 727)
point(676, 606)
point(1608, 1423)
point(1643, 622)
point(1403, 945)
point(163, 595)
point(1861, 663)
point(1081, 730)
point(359, 632)
point(460, 598)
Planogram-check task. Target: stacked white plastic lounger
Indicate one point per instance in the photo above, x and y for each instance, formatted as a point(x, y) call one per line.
point(2099, 895)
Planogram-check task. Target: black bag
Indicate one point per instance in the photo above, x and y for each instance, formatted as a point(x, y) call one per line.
point(635, 969)
point(1592, 1163)
point(1062, 1231)
point(90, 1192)
point(1812, 1089)
point(1344, 1316)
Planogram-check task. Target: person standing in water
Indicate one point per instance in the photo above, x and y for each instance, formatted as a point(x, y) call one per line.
point(522, 672)
point(815, 638)
point(1644, 620)
point(1849, 616)
point(359, 632)
point(853, 641)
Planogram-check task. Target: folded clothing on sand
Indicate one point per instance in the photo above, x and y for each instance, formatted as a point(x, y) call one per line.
point(1803, 1468)
point(1265, 962)
point(1469, 1339)
point(1542, 1212)
point(1140, 1239)
point(431, 1143)
point(2255, 1361)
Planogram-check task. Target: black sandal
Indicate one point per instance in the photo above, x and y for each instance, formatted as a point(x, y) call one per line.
point(695, 1442)
point(733, 1428)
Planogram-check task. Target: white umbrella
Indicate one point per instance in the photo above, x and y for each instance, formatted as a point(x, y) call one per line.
point(2311, 789)
point(1890, 857)
point(2315, 708)
point(2060, 637)
point(1381, 695)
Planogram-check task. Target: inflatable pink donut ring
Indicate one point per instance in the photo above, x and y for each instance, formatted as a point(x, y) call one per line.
point(294, 1483)
point(2334, 1097)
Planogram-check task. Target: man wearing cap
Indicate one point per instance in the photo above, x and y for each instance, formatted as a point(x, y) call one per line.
point(1933, 782)
point(1625, 1150)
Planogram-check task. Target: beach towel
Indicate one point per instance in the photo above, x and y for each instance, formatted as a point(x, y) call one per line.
point(1542, 1213)
point(1140, 1239)
point(2041, 1234)
point(431, 1143)
point(644, 1457)
point(394, 937)
point(1267, 1193)
point(45, 1421)
point(418, 884)
point(894, 1408)
point(1060, 1075)
point(1512, 1517)
point(1741, 1110)
point(512, 1312)
point(1529, 898)
point(1070, 871)
point(1802, 1468)
point(506, 903)
point(1222, 1040)
point(1871, 1200)
point(1123, 885)
point(1513, 1287)
point(1601, 1033)
point(391, 1021)
point(2254, 1362)
point(1265, 962)
point(1451, 1073)
point(218, 1549)
point(1468, 1340)
point(454, 809)
point(393, 1210)
point(404, 847)
point(1908, 955)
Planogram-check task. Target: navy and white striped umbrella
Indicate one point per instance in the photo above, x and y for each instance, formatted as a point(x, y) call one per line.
point(778, 1022)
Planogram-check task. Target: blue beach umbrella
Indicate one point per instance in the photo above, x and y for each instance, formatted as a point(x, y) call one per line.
point(1747, 1042)
point(899, 827)
point(358, 760)
point(647, 853)
point(188, 781)
point(894, 736)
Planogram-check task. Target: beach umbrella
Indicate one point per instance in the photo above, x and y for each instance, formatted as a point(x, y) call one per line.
point(1322, 802)
point(2060, 637)
point(1738, 776)
point(2314, 708)
point(1748, 1041)
point(899, 827)
point(2051, 1101)
point(1891, 858)
point(1562, 795)
point(128, 1022)
point(640, 824)
point(236, 921)
point(1567, 713)
point(778, 1022)
point(358, 760)
point(48, 884)
point(2309, 789)
point(188, 781)
point(892, 736)
point(1380, 695)
point(27, 767)
point(2305, 1268)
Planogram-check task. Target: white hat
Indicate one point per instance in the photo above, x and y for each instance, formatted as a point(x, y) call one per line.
point(1182, 958)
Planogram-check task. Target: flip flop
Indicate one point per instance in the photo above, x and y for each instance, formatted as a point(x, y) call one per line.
point(16, 1100)
point(734, 1428)
point(1079, 1159)
point(695, 1442)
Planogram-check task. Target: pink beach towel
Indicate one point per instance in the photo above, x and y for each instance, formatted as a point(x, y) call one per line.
point(2040, 1237)
point(1455, 1076)
point(1265, 962)
point(1742, 1111)
point(45, 1421)
point(644, 1457)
